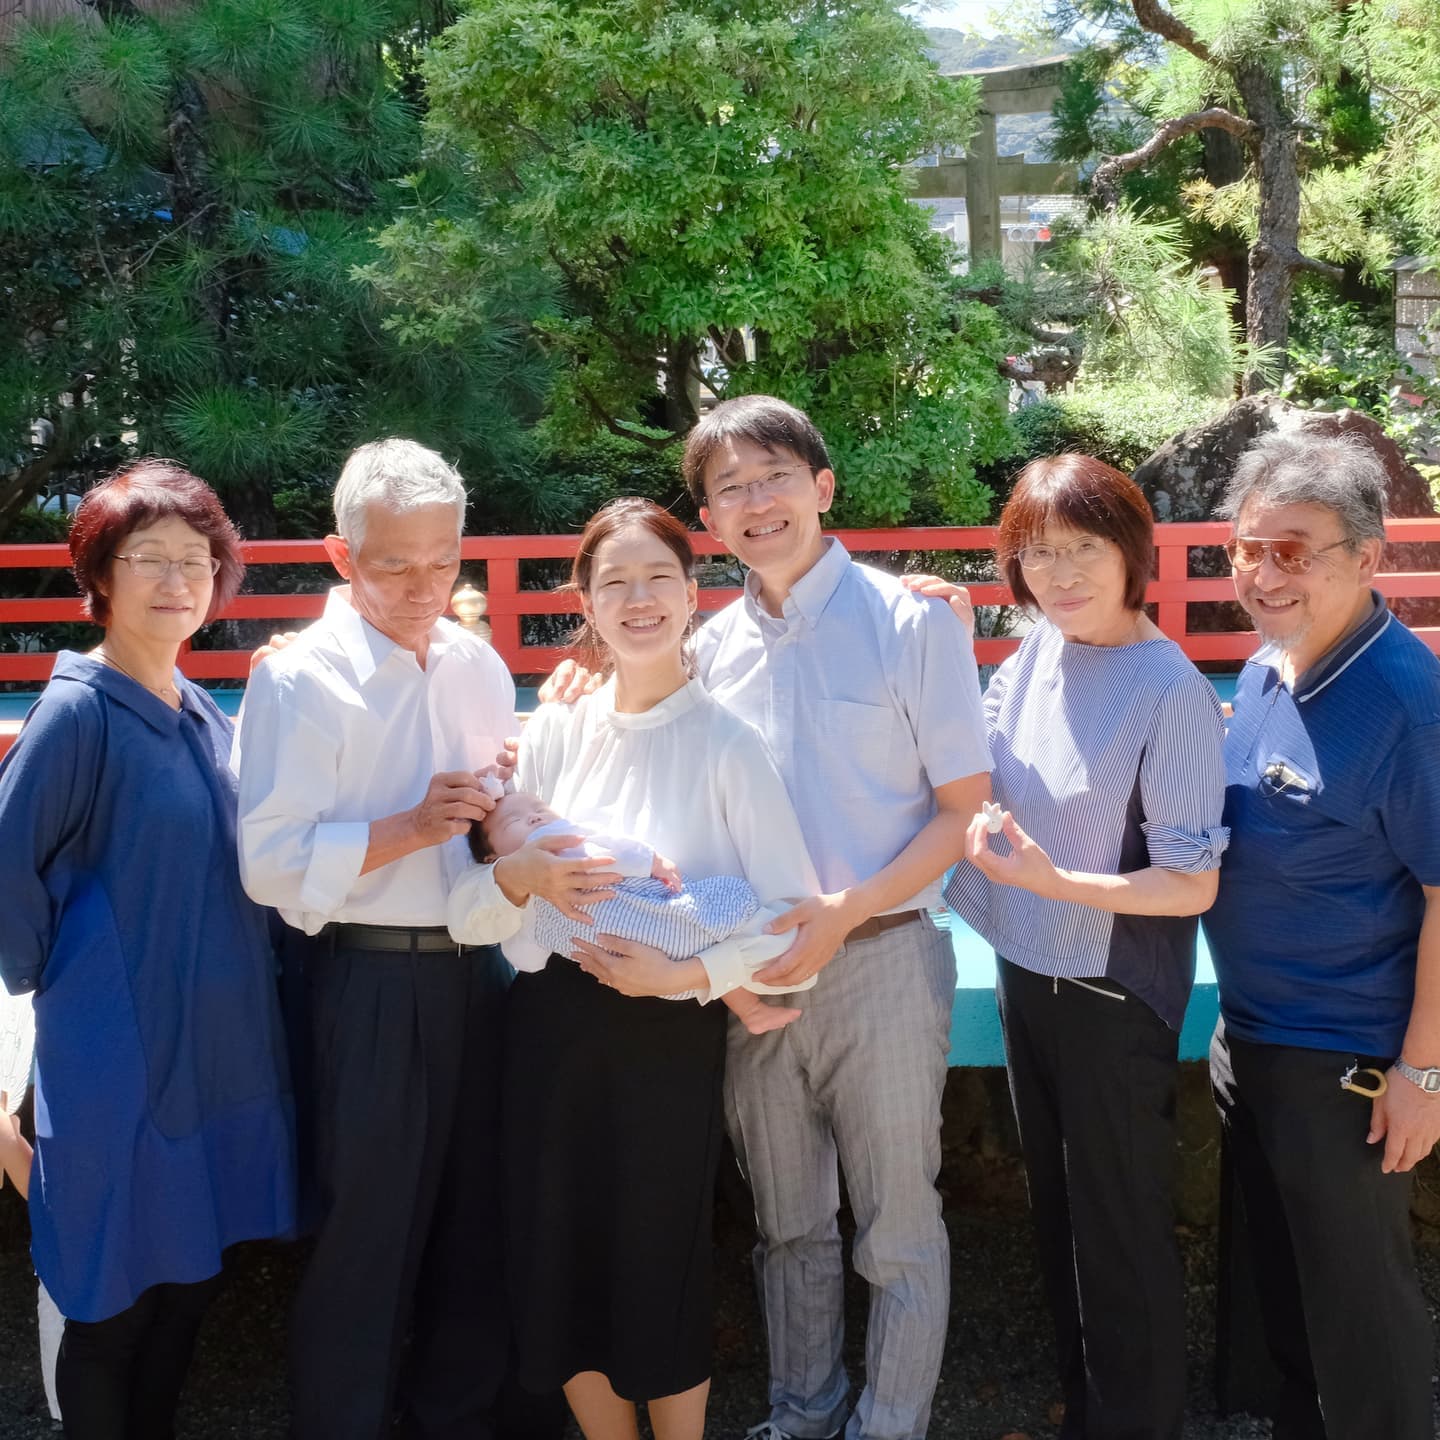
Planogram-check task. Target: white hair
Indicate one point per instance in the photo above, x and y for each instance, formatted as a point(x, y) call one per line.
point(400, 475)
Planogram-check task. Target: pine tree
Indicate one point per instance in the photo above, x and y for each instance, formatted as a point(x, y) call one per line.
point(1286, 98)
point(186, 201)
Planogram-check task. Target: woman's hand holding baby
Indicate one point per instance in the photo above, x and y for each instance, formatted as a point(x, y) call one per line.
point(566, 881)
point(635, 969)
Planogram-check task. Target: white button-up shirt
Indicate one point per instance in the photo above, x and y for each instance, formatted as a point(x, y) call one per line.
point(343, 727)
point(868, 698)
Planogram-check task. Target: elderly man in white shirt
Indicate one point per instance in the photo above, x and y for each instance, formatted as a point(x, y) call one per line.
point(356, 755)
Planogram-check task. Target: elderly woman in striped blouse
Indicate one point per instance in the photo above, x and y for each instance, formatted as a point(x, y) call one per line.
point(1108, 776)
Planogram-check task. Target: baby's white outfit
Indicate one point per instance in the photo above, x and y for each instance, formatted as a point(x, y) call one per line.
point(710, 917)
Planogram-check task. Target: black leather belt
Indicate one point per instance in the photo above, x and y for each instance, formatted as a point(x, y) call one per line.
point(879, 924)
point(393, 937)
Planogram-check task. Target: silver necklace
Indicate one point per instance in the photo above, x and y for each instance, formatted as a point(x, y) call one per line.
point(162, 691)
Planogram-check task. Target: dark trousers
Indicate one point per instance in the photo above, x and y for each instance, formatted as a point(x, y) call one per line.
point(1093, 1075)
point(1344, 1316)
point(405, 1073)
point(120, 1379)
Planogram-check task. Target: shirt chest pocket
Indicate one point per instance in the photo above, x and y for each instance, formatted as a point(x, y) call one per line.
point(864, 744)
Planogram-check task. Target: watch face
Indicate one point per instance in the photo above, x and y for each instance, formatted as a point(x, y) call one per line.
point(1431, 1081)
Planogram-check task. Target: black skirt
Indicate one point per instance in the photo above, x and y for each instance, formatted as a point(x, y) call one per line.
point(613, 1127)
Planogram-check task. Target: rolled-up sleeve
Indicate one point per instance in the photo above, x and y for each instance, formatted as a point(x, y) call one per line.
point(288, 765)
point(1182, 779)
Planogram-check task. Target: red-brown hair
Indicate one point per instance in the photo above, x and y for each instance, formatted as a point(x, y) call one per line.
point(1080, 493)
point(134, 497)
point(605, 524)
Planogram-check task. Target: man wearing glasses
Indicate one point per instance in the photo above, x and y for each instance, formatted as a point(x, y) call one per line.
point(1326, 940)
point(868, 698)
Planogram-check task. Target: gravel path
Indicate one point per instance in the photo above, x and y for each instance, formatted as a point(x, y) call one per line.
point(996, 1383)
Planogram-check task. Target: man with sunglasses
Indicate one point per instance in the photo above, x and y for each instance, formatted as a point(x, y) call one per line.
point(1326, 939)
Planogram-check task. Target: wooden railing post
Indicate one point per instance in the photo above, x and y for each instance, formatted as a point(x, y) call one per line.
point(503, 581)
point(1174, 565)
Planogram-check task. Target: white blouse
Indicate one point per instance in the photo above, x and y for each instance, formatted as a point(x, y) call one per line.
point(688, 778)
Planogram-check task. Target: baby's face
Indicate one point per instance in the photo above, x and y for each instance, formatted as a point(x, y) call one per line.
point(509, 824)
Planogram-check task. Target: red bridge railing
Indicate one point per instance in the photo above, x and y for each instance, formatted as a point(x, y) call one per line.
point(1173, 591)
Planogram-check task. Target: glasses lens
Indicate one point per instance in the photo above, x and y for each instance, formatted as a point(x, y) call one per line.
point(1291, 557)
point(149, 567)
point(199, 567)
point(1037, 557)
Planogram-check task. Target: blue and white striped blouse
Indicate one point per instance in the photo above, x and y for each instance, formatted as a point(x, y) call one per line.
point(1111, 758)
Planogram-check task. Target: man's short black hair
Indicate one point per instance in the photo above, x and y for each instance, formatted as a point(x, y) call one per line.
point(762, 420)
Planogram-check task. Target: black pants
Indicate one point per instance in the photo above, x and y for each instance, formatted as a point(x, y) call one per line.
point(1093, 1076)
point(406, 1066)
point(120, 1379)
point(1344, 1316)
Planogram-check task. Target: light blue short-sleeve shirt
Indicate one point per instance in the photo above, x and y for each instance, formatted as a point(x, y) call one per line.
point(868, 698)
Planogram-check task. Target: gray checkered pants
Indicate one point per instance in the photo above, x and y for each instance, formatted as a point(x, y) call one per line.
point(858, 1080)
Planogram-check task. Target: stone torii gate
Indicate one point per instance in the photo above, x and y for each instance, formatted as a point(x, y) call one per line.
point(982, 177)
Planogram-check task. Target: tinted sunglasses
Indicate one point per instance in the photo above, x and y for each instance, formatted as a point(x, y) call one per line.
point(1291, 557)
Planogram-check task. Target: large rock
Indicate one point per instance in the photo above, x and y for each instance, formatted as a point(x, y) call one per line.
point(1185, 478)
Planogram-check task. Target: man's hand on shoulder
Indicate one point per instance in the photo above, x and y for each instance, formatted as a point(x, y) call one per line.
point(821, 924)
point(567, 682)
point(272, 646)
point(957, 597)
point(1407, 1120)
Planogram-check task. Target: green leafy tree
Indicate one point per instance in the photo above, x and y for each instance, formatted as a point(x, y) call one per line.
point(717, 187)
point(187, 199)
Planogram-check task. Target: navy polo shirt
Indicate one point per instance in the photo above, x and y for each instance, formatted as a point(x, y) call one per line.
point(1333, 803)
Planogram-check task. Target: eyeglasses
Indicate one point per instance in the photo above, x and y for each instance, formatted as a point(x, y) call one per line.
point(1086, 551)
point(157, 567)
point(737, 491)
point(1291, 557)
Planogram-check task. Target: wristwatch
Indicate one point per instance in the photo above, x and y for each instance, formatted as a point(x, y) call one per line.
point(1427, 1080)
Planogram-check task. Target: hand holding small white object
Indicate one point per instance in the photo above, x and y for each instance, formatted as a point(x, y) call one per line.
point(994, 816)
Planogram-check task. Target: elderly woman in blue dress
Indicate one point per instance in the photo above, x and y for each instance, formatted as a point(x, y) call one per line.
point(1106, 744)
point(162, 1108)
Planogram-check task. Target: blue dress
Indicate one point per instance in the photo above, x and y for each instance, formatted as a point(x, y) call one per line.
point(163, 1115)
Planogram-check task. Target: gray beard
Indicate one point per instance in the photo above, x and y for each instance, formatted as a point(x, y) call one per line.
point(1288, 642)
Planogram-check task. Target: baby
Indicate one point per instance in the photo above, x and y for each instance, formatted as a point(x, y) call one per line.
point(653, 905)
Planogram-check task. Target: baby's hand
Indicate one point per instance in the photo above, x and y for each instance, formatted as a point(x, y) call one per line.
point(667, 871)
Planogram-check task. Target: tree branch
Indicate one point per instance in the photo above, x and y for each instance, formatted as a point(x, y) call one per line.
point(1105, 181)
point(1155, 18)
point(1295, 260)
point(605, 418)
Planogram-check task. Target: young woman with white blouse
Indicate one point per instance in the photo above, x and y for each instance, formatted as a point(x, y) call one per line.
point(613, 1102)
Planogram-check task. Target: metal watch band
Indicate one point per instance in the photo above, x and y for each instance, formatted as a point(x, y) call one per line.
point(1427, 1080)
